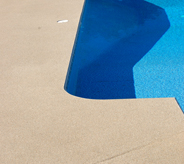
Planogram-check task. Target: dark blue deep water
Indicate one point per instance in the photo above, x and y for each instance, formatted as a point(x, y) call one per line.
point(122, 51)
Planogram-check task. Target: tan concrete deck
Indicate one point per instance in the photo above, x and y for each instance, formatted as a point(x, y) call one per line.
point(42, 124)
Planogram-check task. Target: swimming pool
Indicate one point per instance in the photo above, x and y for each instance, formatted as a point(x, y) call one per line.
point(128, 49)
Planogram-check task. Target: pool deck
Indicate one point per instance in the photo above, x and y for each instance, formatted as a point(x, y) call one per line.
point(40, 123)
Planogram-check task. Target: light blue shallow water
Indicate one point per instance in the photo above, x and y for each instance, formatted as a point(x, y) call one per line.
point(160, 73)
point(129, 49)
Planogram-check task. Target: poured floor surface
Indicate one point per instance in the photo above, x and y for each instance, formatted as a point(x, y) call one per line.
point(40, 123)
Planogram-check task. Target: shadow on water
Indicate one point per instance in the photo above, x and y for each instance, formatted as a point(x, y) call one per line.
point(113, 36)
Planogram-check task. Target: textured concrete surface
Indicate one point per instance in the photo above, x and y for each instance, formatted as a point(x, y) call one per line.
point(42, 124)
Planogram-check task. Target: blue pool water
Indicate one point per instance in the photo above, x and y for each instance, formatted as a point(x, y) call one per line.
point(128, 49)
